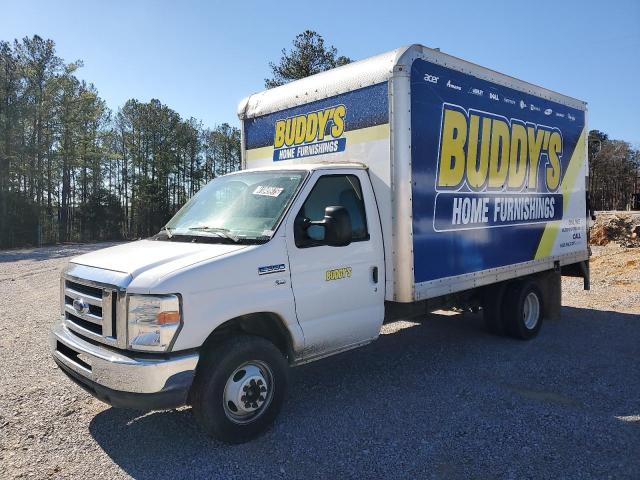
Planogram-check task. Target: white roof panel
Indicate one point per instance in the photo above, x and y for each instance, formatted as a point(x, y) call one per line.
point(347, 78)
point(374, 70)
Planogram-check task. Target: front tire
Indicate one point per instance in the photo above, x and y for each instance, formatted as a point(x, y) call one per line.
point(239, 388)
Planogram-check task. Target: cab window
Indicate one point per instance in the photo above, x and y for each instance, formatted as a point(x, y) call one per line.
point(332, 190)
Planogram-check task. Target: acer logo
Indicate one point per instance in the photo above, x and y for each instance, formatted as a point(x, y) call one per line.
point(431, 78)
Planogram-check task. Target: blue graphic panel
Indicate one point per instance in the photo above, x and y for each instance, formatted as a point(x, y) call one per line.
point(363, 108)
point(487, 165)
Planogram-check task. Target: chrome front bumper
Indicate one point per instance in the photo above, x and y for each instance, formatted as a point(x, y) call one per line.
point(123, 378)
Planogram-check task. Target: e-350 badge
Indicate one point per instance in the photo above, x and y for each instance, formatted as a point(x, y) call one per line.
point(267, 269)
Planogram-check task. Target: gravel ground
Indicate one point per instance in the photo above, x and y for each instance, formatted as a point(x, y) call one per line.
point(615, 281)
point(435, 399)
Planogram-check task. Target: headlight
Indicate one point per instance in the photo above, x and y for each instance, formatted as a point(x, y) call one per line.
point(152, 321)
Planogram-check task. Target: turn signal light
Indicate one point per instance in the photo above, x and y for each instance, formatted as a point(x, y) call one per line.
point(164, 318)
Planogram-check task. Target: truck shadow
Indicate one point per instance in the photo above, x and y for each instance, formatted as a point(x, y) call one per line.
point(440, 397)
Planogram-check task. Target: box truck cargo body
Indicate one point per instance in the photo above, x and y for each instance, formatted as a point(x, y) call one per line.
point(479, 177)
point(392, 186)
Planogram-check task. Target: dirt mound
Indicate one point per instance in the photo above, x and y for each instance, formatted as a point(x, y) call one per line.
point(622, 228)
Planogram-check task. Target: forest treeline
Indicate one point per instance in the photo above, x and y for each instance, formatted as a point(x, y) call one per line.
point(614, 173)
point(71, 169)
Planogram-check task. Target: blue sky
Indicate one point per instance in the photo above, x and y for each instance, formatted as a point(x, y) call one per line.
point(201, 58)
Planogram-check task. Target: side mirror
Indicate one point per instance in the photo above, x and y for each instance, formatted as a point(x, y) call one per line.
point(337, 226)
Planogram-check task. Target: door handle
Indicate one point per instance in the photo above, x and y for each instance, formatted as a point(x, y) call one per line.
point(374, 274)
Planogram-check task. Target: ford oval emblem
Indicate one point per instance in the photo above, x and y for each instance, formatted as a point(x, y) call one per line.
point(80, 306)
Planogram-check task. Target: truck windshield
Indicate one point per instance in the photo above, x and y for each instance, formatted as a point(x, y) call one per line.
point(242, 206)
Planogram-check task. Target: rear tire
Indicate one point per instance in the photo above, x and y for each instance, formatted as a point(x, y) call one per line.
point(492, 298)
point(523, 309)
point(239, 388)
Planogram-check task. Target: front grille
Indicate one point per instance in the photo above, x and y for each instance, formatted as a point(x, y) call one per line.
point(92, 327)
point(90, 310)
point(85, 289)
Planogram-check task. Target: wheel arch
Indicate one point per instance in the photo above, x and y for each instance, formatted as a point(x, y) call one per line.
point(267, 325)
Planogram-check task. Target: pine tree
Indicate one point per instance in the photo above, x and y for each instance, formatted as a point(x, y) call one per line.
point(308, 57)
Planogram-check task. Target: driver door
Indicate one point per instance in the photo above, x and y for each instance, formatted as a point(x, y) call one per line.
point(338, 291)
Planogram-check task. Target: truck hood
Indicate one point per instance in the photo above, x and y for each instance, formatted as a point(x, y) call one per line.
point(144, 255)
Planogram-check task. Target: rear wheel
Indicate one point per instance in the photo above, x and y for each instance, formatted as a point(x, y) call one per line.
point(492, 301)
point(523, 310)
point(239, 388)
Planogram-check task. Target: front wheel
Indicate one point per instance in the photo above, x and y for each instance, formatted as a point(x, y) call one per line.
point(239, 388)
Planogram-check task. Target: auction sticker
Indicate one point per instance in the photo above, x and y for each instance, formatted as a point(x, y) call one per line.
point(268, 191)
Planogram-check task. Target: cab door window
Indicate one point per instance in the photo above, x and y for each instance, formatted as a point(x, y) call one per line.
point(332, 190)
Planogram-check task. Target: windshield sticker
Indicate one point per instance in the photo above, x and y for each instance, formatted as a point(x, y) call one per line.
point(281, 267)
point(268, 191)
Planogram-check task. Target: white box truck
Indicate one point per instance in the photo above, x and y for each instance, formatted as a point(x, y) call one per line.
point(396, 185)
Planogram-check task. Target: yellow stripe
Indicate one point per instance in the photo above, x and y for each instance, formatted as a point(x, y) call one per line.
point(369, 134)
point(551, 230)
point(258, 153)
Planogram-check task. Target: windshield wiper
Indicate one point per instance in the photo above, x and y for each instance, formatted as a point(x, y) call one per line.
point(222, 232)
